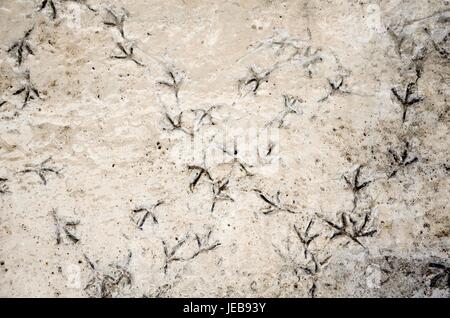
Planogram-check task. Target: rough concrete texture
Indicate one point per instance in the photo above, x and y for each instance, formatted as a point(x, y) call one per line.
point(122, 176)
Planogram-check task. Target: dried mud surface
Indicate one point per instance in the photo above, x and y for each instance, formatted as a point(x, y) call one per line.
point(114, 115)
